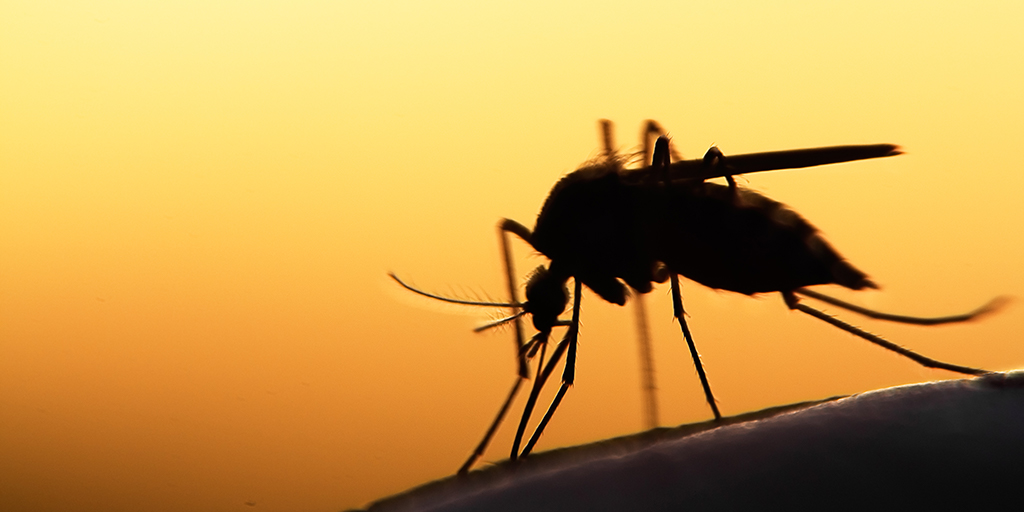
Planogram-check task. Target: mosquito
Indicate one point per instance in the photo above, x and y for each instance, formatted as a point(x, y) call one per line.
point(610, 227)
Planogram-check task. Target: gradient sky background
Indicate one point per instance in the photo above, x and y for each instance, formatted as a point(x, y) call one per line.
point(199, 202)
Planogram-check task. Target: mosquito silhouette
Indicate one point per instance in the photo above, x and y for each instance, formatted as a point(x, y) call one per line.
point(608, 227)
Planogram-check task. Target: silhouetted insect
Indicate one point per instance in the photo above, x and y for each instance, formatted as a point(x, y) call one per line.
point(607, 226)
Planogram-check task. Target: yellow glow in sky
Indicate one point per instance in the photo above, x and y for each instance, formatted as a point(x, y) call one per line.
point(199, 203)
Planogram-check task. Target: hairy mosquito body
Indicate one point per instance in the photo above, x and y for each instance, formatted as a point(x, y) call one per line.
point(603, 230)
point(608, 227)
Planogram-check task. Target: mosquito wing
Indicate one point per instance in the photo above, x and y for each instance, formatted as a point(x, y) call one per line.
point(699, 169)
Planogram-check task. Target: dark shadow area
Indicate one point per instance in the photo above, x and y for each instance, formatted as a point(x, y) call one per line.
point(946, 444)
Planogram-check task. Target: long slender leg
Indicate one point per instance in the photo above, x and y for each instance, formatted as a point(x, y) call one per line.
point(534, 392)
point(928, 362)
point(677, 307)
point(480, 448)
point(538, 384)
point(990, 307)
point(648, 389)
point(523, 370)
point(607, 138)
point(479, 451)
point(568, 375)
point(650, 131)
point(510, 281)
point(662, 159)
point(647, 383)
point(544, 421)
point(506, 226)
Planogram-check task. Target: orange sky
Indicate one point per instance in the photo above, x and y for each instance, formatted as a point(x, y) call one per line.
point(198, 206)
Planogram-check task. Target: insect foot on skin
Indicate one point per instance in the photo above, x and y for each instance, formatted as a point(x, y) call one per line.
point(609, 227)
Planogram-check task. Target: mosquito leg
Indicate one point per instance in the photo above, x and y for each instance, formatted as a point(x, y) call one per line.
point(517, 229)
point(568, 375)
point(714, 159)
point(544, 421)
point(648, 389)
point(607, 138)
point(990, 307)
point(661, 157)
point(523, 370)
point(511, 282)
point(542, 377)
point(531, 401)
point(677, 307)
point(480, 448)
point(794, 303)
point(647, 385)
point(652, 130)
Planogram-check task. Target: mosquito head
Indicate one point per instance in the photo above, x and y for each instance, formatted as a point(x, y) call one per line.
point(546, 298)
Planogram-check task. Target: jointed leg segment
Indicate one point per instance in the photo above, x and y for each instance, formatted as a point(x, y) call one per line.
point(662, 158)
point(677, 308)
point(794, 303)
point(568, 374)
point(521, 355)
point(480, 448)
point(989, 307)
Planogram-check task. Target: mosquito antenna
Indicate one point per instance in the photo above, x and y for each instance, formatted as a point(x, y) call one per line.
point(454, 301)
point(988, 308)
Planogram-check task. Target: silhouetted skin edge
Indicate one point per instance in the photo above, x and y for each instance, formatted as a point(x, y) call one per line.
point(942, 443)
point(557, 456)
